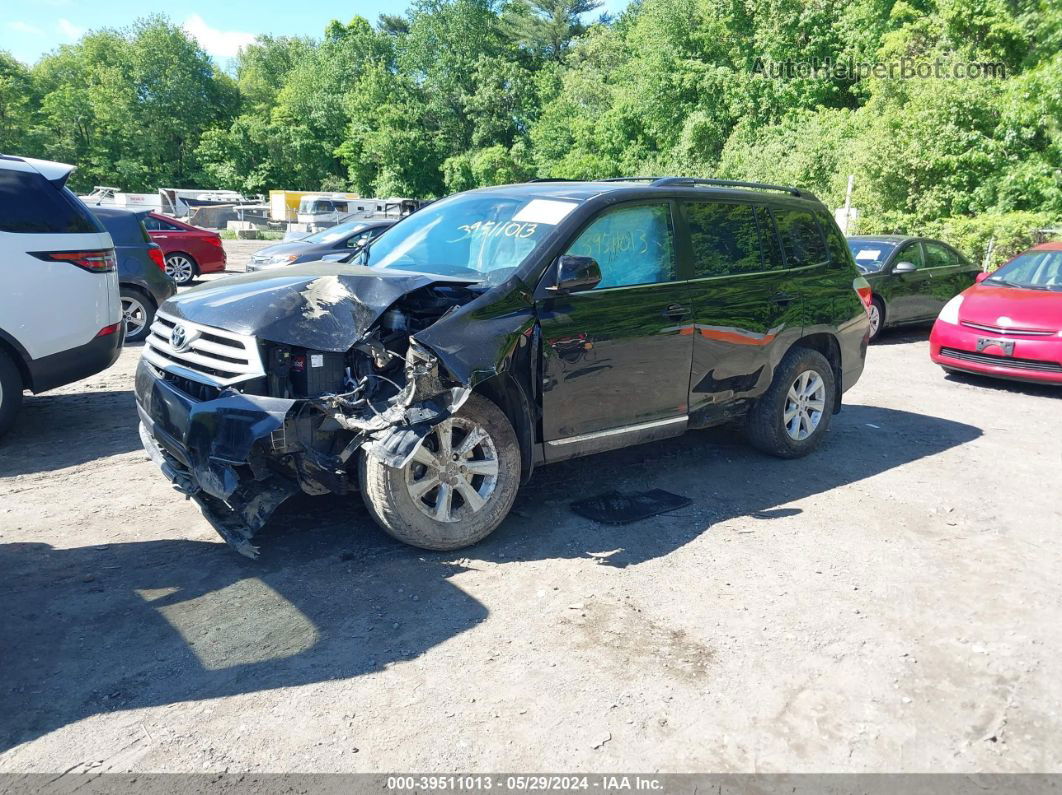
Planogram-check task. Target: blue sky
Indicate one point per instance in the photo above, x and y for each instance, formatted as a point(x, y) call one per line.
point(30, 28)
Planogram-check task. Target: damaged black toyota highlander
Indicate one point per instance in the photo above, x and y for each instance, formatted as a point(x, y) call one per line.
point(497, 330)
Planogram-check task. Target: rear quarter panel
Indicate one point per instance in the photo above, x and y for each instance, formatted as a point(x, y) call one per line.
point(50, 307)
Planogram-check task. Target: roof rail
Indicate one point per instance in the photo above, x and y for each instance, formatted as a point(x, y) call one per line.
point(628, 179)
point(550, 179)
point(731, 183)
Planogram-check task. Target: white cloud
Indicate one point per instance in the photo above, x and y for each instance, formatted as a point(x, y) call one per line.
point(24, 27)
point(220, 43)
point(69, 29)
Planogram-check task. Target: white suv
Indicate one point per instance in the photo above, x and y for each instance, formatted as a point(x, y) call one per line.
point(60, 316)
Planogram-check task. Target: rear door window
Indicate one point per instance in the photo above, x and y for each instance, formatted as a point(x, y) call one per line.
point(725, 238)
point(939, 256)
point(801, 239)
point(30, 204)
point(632, 244)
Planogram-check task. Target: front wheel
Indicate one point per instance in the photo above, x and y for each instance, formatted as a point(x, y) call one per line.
point(138, 313)
point(791, 417)
point(181, 268)
point(458, 487)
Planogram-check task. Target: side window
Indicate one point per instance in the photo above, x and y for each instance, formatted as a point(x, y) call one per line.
point(359, 240)
point(633, 245)
point(29, 204)
point(152, 224)
point(725, 238)
point(772, 250)
point(801, 240)
point(912, 253)
point(938, 256)
point(167, 227)
point(835, 242)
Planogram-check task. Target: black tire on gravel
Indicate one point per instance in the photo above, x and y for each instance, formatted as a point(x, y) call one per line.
point(388, 497)
point(11, 387)
point(765, 426)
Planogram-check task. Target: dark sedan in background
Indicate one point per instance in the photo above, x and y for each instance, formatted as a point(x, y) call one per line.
point(343, 238)
point(912, 277)
point(142, 278)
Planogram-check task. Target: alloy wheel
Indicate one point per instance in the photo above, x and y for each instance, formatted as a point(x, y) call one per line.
point(134, 313)
point(179, 268)
point(454, 472)
point(875, 320)
point(804, 404)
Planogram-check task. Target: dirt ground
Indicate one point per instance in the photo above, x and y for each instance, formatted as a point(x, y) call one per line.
point(892, 603)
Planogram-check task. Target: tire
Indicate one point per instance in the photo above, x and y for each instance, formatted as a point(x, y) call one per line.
point(138, 313)
point(877, 305)
point(400, 499)
point(766, 425)
point(11, 387)
point(181, 267)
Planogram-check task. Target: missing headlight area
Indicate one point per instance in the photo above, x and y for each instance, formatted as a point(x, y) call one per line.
point(240, 448)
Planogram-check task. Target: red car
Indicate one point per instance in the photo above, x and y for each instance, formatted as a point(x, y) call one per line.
point(1009, 324)
point(190, 251)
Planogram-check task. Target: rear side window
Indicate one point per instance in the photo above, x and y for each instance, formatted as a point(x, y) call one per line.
point(725, 238)
point(801, 241)
point(633, 245)
point(30, 204)
point(158, 225)
point(126, 229)
point(835, 242)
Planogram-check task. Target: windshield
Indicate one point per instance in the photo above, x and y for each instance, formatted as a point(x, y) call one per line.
point(471, 235)
point(334, 233)
point(870, 255)
point(1034, 270)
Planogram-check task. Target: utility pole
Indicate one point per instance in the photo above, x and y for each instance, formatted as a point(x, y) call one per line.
point(848, 203)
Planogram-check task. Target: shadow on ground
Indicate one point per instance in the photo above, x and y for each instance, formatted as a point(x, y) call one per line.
point(99, 629)
point(56, 431)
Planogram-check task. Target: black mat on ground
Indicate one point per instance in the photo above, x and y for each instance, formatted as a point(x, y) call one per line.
point(612, 507)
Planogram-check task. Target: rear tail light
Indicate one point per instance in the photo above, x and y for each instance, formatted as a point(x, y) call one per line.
point(106, 331)
point(156, 256)
point(96, 261)
point(866, 293)
point(214, 241)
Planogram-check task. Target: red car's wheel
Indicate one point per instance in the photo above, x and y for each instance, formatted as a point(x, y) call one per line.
point(181, 268)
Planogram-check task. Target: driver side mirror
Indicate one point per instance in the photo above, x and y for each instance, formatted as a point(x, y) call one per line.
point(980, 277)
point(905, 267)
point(575, 273)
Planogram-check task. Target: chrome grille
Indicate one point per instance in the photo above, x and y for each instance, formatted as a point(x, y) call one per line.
point(213, 356)
point(1002, 361)
point(1025, 332)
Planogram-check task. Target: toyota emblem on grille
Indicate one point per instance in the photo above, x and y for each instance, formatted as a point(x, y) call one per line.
point(180, 338)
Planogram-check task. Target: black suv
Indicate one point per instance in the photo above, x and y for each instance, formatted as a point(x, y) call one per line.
point(500, 329)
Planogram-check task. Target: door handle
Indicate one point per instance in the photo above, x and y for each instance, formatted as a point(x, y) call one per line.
point(675, 312)
point(783, 298)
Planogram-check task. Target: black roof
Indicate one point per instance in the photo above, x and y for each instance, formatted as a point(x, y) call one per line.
point(109, 211)
point(646, 186)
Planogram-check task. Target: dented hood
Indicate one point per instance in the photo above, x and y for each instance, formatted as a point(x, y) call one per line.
point(321, 305)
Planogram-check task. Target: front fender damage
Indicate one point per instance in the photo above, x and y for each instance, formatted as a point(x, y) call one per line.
point(244, 455)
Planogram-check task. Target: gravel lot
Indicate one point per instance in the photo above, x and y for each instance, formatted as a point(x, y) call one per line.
point(891, 603)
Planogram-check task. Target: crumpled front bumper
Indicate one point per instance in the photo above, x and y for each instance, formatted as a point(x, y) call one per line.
point(211, 451)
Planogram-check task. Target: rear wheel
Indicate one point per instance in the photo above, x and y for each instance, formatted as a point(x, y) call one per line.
point(877, 318)
point(791, 417)
point(458, 487)
point(181, 268)
point(10, 392)
point(138, 312)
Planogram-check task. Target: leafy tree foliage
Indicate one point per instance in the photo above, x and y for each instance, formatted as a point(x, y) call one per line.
point(455, 94)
